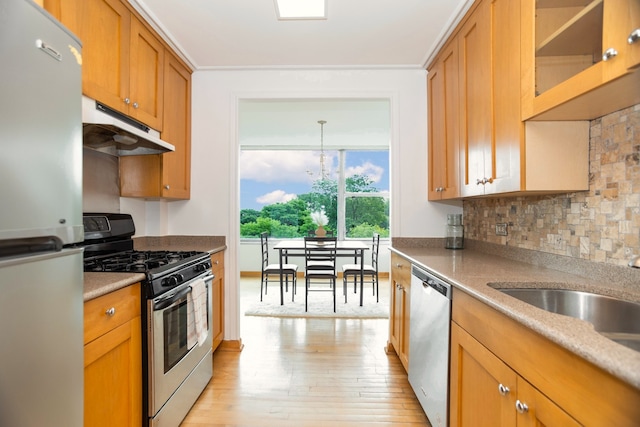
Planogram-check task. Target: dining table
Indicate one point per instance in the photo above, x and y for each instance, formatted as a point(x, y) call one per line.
point(292, 248)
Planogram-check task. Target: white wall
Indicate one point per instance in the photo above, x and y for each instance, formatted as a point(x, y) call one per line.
point(214, 205)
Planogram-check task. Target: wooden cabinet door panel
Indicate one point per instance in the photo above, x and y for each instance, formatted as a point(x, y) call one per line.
point(444, 125)
point(112, 378)
point(400, 308)
point(620, 17)
point(147, 65)
point(476, 374)
point(103, 26)
point(541, 410)
point(176, 166)
point(217, 328)
point(508, 129)
point(475, 95)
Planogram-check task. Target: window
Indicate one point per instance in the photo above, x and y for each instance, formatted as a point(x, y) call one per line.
point(279, 189)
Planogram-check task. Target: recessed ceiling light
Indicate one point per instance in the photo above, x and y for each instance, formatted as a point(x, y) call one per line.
point(301, 9)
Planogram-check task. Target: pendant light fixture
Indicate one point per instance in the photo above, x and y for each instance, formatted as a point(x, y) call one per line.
point(323, 173)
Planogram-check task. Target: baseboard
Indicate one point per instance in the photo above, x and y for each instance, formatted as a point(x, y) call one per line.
point(231, 345)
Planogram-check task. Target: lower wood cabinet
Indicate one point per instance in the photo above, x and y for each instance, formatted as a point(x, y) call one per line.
point(113, 359)
point(400, 308)
point(504, 374)
point(486, 392)
point(217, 268)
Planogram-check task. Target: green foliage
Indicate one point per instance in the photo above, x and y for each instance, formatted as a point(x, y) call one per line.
point(272, 226)
point(248, 215)
point(366, 230)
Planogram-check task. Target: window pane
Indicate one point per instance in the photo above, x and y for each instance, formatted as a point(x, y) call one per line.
point(280, 189)
point(366, 172)
point(365, 216)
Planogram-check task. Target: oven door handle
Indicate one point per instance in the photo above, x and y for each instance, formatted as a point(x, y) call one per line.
point(171, 299)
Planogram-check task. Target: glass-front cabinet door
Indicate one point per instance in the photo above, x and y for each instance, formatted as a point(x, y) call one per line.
point(568, 40)
point(572, 47)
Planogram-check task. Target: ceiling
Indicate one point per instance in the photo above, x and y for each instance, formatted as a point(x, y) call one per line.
point(230, 34)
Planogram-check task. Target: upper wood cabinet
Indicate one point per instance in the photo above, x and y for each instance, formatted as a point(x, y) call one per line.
point(442, 91)
point(498, 152)
point(123, 61)
point(581, 57)
point(127, 67)
point(165, 175)
point(476, 120)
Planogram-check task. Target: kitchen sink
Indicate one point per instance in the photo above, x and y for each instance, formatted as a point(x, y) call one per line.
point(616, 319)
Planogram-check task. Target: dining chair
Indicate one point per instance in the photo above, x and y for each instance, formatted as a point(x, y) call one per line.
point(274, 270)
point(320, 266)
point(370, 271)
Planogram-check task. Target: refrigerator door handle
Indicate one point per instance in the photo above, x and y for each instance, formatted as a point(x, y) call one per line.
point(48, 50)
point(29, 246)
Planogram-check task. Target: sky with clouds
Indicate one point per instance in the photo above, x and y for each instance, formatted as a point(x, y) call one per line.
point(268, 177)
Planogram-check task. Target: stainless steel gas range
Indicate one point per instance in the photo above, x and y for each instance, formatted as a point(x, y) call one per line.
point(177, 314)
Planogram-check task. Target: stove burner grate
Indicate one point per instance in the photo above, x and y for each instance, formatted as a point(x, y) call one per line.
point(136, 261)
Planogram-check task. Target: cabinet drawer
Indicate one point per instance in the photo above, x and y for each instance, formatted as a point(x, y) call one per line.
point(217, 262)
point(125, 303)
point(400, 269)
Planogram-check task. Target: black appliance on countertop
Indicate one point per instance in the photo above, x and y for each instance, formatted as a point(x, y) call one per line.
point(175, 369)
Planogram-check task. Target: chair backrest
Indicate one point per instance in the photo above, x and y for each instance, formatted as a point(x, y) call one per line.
point(375, 247)
point(265, 249)
point(320, 250)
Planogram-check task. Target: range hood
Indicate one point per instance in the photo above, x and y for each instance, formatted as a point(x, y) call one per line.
point(111, 132)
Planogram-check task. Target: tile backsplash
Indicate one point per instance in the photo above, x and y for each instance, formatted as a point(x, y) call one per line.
point(601, 225)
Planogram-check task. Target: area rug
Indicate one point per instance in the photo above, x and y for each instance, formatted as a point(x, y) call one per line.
point(321, 305)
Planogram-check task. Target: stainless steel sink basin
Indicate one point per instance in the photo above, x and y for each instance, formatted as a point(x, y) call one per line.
point(616, 319)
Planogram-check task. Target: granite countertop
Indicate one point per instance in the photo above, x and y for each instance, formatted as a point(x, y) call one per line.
point(98, 284)
point(471, 270)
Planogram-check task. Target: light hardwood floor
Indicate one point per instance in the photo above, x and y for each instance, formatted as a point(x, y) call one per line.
point(307, 372)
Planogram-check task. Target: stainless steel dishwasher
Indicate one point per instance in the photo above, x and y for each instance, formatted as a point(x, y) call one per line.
point(429, 330)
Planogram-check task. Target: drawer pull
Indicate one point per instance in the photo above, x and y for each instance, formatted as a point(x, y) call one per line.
point(634, 36)
point(110, 312)
point(503, 390)
point(609, 53)
point(521, 407)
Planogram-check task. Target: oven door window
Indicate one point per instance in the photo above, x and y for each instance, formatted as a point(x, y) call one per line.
point(175, 334)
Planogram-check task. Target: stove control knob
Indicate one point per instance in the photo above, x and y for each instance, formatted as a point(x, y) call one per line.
point(202, 267)
point(174, 280)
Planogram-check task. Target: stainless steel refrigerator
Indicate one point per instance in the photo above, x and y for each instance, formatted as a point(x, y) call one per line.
point(41, 279)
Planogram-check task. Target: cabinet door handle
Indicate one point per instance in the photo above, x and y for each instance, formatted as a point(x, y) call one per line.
point(634, 36)
point(609, 53)
point(127, 101)
point(166, 187)
point(521, 407)
point(110, 312)
point(135, 105)
point(503, 390)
